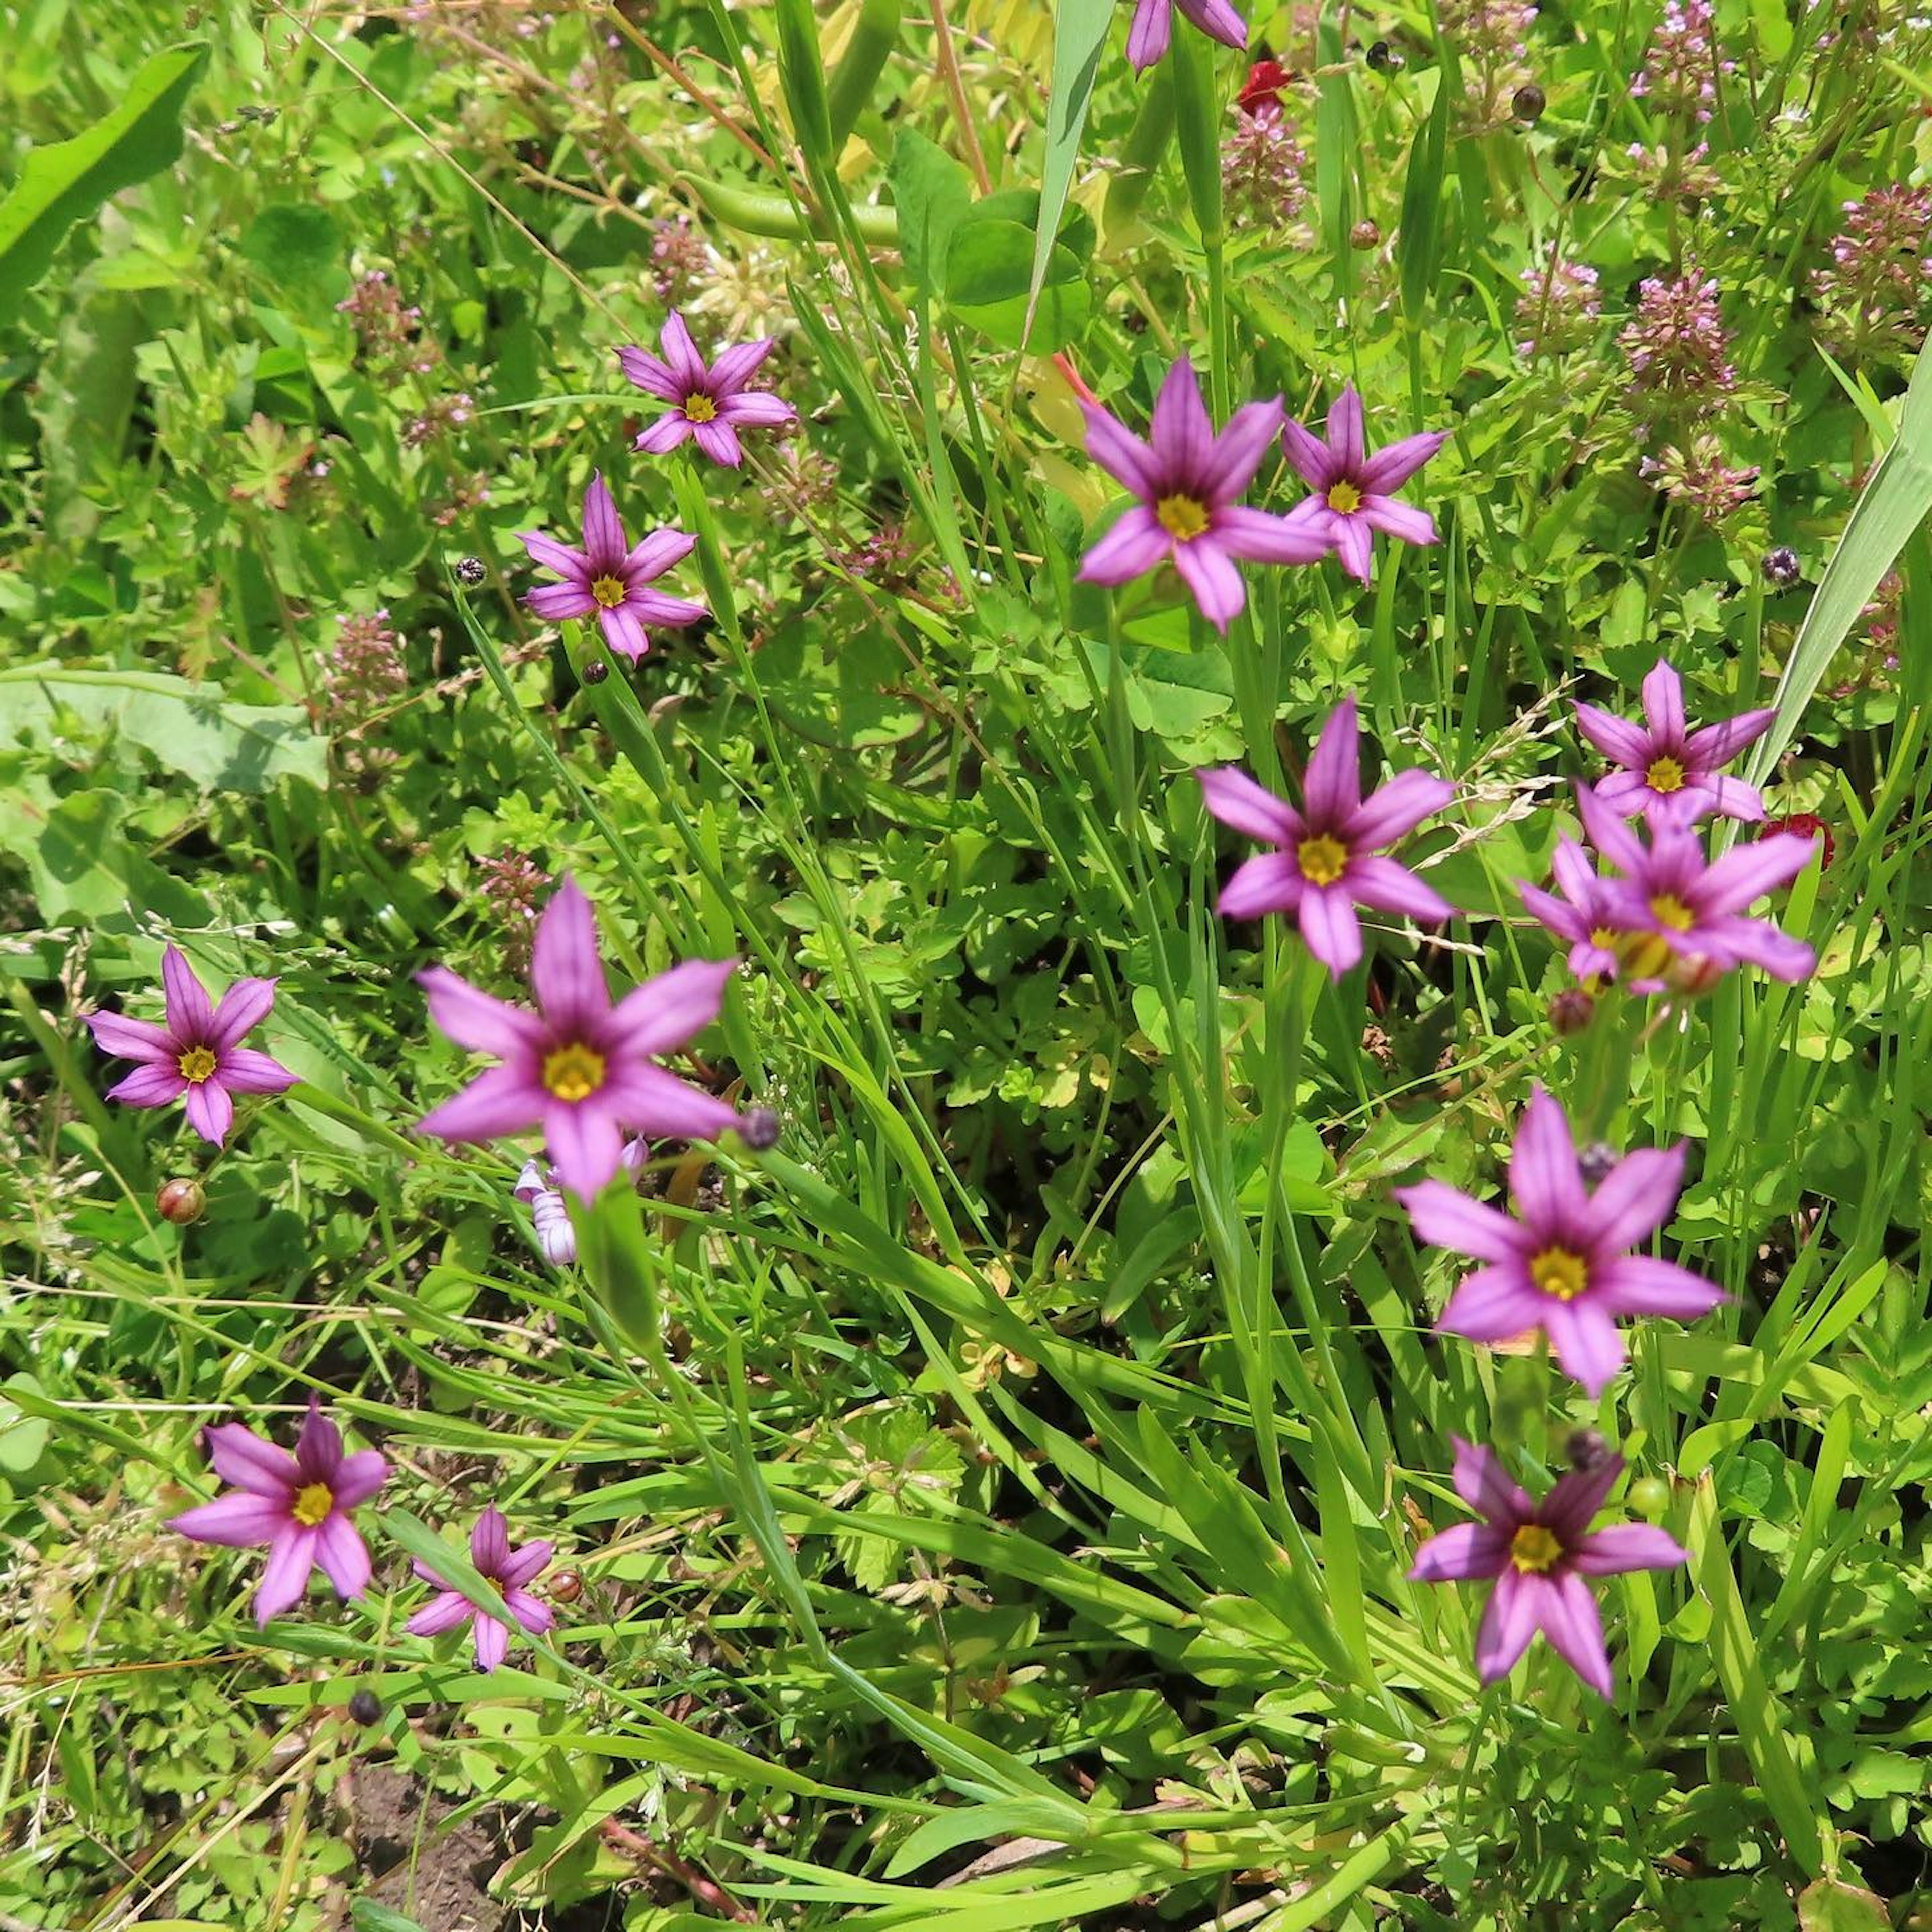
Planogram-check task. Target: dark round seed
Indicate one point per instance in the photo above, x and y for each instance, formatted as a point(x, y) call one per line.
point(365, 1707)
point(1587, 1448)
point(470, 571)
point(596, 671)
point(1382, 57)
point(1781, 567)
point(1527, 103)
point(1571, 1011)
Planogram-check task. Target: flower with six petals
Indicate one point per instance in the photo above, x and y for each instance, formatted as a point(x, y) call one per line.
point(1665, 769)
point(710, 401)
point(510, 1571)
point(1350, 500)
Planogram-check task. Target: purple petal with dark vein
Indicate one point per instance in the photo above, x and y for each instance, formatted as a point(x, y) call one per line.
point(493, 1642)
point(1483, 1482)
point(1269, 882)
point(661, 613)
point(446, 1611)
point(1642, 1284)
point(756, 408)
point(149, 1086)
point(737, 365)
point(239, 1521)
point(505, 1100)
point(242, 1070)
point(1394, 810)
point(1634, 1199)
point(285, 1576)
point(239, 1456)
point(1260, 536)
point(245, 1005)
point(1565, 920)
point(210, 1111)
point(1575, 1498)
point(671, 1010)
point(554, 602)
point(1354, 546)
point(1732, 797)
point(566, 971)
point(660, 1106)
point(1718, 744)
point(1390, 468)
point(1135, 545)
point(681, 355)
point(1620, 741)
point(1747, 872)
point(1445, 1217)
point(604, 541)
point(1663, 703)
point(554, 556)
point(358, 1476)
point(344, 1556)
point(1330, 928)
point(1383, 886)
point(475, 1020)
point(661, 437)
point(1209, 572)
point(190, 1015)
point(1510, 1620)
point(1234, 798)
point(1236, 453)
point(1568, 1615)
point(1545, 1182)
point(1470, 1550)
point(490, 1542)
point(1395, 518)
point(585, 1141)
point(719, 441)
point(1307, 456)
point(1585, 1341)
point(132, 1039)
point(1345, 434)
point(521, 1565)
point(1493, 1304)
point(1217, 17)
point(1182, 437)
point(535, 1615)
point(1762, 944)
point(1625, 1547)
point(1119, 451)
point(1331, 788)
point(653, 555)
point(654, 377)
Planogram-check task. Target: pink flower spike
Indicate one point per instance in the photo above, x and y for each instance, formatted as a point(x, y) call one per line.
point(1327, 856)
point(299, 1505)
point(1666, 770)
point(1185, 478)
point(1351, 497)
point(1539, 1554)
point(511, 1571)
point(1562, 1262)
point(710, 402)
point(610, 581)
point(1153, 27)
point(579, 1067)
point(197, 1056)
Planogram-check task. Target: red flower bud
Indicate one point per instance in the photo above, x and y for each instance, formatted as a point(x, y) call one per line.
point(1807, 825)
point(1262, 88)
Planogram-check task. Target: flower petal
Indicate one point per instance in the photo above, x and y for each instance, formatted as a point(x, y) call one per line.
point(671, 1009)
point(344, 1556)
point(190, 1015)
point(1394, 810)
point(1747, 872)
point(1620, 741)
point(1445, 1217)
point(1762, 944)
point(131, 1040)
point(358, 1476)
point(1330, 928)
point(756, 408)
point(604, 543)
point(566, 970)
point(1634, 1199)
point(1270, 882)
point(1545, 1182)
point(1236, 799)
point(210, 1111)
point(1217, 17)
point(239, 1456)
point(737, 365)
point(1236, 453)
point(584, 1142)
point(1483, 1482)
point(1344, 430)
point(1390, 467)
point(1260, 536)
point(1585, 1341)
point(243, 1070)
point(1628, 1546)
point(719, 441)
point(318, 1447)
point(1569, 1616)
point(1395, 518)
point(1493, 1304)
point(502, 1101)
point(477, 1021)
point(554, 556)
point(624, 630)
point(1181, 432)
point(535, 1615)
point(660, 613)
point(554, 602)
point(1718, 744)
point(1509, 1619)
point(1469, 1549)
point(660, 1106)
point(1119, 451)
point(1135, 545)
point(240, 1520)
point(1307, 456)
point(661, 437)
point(654, 377)
point(285, 1576)
point(521, 1565)
point(490, 1542)
point(149, 1086)
point(245, 1005)
point(1354, 547)
point(448, 1610)
point(1605, 830)
point(493, 1642)
point(1383, 886)
point(681, 355)
point(1209, 572)
point(1642, 1284)
point(1663, 703)
point(1331, 791)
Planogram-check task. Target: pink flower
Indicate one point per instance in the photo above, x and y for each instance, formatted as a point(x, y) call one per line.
point(607, 579)
point(1327, 860)
point(1668, 769)
point(1540, 1555)
point(1584, 917)
point(1350, 500)
point(579, 1067)
point(1154, 27)
point(299, 1505)
point(510, 1571)
point(1682, 914)
point(1186, 478)
point(1561, 1263)
point(708, 400)
point(199, 1053)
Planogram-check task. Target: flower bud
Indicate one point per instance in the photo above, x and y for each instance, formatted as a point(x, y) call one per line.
point(1587, 1449)
point(1365, 235)
point(1571, 1011)
point(1781, 567)
point(1527, 103)
point(565, 1586)
point(181, 1201)
point(470, 571)
point(758, 1129)
point(1649, 1496)
point(596, 671)
point(1596, 1160)
point(365, 1707)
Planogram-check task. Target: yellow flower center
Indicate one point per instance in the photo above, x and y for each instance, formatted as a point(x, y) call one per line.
point(573, 1072)
point(1345, 499)
point(699, 408)
point(1643, 955)
point(312, 1504)
point(1668, 910)
point(1557, 1271)
point(1322, 859)
point(608, 591)
point(1183, 518)
point(1666, 774)
point(196, 1064)
point(1603, 939)
point(1534, 1549)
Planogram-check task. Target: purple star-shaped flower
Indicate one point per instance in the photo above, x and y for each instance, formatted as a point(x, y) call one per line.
point(511, 1571)
point(1540, 1555)
point(1153, 26)
point(579, 1067)
point(1561, 1262)
point(199, 1053)
point(1680, 913)
point(1350, 500)
point(710, 401)
point(1585, 916)
point(609, 580)
point(1327, 863)
point(1186, 478)
point(299, 1505)
point(1665, 768)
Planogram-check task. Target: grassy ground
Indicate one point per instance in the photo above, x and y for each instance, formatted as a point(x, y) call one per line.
point(992, 1506)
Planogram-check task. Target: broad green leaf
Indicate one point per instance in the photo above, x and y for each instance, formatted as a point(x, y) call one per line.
point(931, 193)
point(63, 183)
point(987, 274)
point(366, 1915)
point(298, 246)
point(1079, 37)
